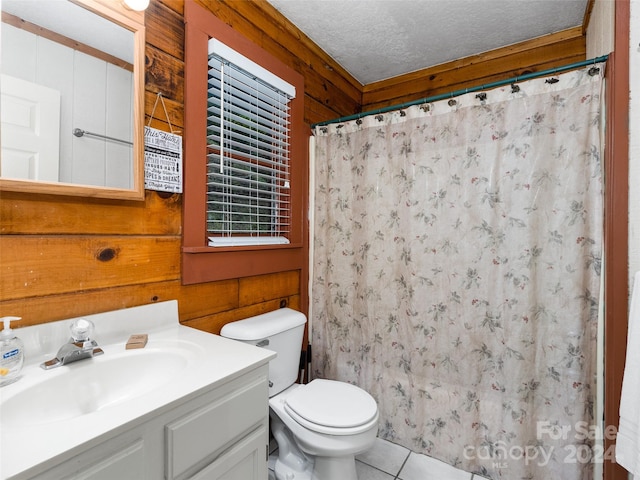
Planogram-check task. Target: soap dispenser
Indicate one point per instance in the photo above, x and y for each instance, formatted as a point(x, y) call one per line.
point(11, 353)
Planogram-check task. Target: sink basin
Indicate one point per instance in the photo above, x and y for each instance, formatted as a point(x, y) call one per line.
point(91, 385)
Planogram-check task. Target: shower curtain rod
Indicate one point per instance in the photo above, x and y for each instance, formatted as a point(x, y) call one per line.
point(443, 96)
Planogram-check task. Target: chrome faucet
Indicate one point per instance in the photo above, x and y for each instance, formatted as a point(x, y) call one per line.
point(79, 346)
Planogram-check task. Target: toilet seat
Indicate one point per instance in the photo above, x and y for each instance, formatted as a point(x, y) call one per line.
point(331, 407)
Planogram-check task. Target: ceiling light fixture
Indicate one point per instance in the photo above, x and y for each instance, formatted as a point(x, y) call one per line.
point(137, 5)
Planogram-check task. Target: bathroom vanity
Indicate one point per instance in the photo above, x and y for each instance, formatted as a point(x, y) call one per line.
point(189, 405)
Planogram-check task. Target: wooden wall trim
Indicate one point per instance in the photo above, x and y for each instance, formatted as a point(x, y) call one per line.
point(616, 228)
point(538, 54)
point(587, 16)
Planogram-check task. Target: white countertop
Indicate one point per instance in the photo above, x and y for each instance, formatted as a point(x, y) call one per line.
point(215, 361)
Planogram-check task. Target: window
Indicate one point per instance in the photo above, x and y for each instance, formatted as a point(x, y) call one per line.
point(246, 172)
point(248, 183)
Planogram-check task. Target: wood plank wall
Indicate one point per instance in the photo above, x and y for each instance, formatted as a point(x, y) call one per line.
point(63, 257)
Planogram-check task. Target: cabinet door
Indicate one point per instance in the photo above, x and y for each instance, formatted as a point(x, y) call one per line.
point(245, 460)
point(108, 461)
point(201, 436)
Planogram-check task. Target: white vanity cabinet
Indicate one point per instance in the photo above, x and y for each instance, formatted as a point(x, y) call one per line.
point(189, 405)
point(221, 433)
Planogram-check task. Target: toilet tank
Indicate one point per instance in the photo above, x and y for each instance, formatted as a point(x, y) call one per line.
point(280, 331)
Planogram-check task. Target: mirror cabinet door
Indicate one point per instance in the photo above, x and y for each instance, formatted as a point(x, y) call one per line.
point(72, 86)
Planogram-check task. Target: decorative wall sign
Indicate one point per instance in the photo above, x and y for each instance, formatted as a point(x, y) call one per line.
point(162, 161)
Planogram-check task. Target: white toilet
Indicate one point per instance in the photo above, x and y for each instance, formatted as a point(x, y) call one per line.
point(320, 427)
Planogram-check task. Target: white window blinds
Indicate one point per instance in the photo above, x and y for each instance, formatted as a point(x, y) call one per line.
point(248, 184)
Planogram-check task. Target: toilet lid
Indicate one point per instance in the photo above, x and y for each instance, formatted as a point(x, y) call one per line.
point(333, 404)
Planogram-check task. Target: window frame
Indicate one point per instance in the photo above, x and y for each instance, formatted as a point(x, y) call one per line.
point(200, 262)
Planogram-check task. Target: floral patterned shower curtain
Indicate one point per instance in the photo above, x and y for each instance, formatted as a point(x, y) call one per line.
point(457, 272)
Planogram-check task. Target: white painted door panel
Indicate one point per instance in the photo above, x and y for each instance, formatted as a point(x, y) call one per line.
point(30, 134)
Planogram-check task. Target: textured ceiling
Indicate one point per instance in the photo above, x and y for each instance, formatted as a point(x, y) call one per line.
point(379, 39)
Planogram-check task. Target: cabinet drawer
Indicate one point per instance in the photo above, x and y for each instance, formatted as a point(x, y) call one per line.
point(196, 439)
point(126, 463)
point(245, 460)
point(107, 461)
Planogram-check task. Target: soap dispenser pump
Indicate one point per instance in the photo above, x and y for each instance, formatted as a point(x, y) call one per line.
point(11, 353)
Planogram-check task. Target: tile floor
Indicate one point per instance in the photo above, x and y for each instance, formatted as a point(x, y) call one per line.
point(388, 461)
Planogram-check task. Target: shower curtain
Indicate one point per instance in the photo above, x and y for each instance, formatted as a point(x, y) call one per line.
point(457, 262)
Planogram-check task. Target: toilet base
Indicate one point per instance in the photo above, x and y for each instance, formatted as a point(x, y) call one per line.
point(293, 464)
point(285, 472)
point(343, 468)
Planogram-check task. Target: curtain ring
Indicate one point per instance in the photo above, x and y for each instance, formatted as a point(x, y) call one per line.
point(551, 81)
point(451, 101)
point(380, 117)
point(482, 96)
point(515, 88)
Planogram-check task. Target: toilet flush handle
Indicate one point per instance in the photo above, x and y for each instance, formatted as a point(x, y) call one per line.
point(264, 343)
